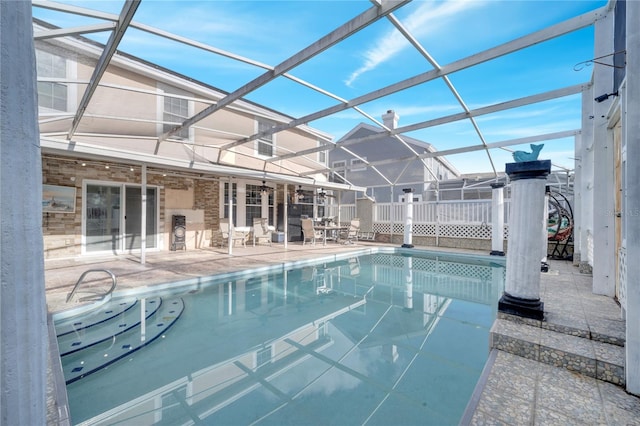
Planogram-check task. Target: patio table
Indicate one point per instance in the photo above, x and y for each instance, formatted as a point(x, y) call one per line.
point(329, 229)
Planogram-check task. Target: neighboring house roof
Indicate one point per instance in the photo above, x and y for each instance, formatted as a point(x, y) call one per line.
point(362, 130)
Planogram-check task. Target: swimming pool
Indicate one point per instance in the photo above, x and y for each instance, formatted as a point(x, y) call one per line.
point(381, 338)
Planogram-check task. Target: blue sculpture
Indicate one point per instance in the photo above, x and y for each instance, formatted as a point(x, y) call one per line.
point(521, 156)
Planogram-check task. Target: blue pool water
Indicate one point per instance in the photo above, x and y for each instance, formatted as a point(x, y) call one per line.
point(379, 339)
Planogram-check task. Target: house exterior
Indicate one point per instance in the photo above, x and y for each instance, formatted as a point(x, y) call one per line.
point(385, 182)
point(95, 165)
point(607, 195)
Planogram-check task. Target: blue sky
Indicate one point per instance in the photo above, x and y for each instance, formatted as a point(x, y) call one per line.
point(271, 31)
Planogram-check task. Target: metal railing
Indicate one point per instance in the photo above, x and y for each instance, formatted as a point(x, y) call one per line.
point(85, 273)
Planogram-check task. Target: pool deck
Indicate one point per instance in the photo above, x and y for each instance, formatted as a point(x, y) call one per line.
point(559, 371)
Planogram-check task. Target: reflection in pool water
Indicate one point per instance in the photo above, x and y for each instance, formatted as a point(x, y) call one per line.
point(383, 338)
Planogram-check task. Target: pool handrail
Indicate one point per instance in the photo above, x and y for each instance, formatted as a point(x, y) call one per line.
point(84, 274)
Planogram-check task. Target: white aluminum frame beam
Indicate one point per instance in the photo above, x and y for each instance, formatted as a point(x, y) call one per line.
point(63, 32)
point(471, 148)
point(579, 22)
point(65, 147)
point(346, 30)
point(515, 103)
point(381, 9)
point(126, 15)
point(445, 78)
point(61, 7)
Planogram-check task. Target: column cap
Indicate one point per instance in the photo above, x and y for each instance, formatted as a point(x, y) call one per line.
point(496, 185)
point(538, 169)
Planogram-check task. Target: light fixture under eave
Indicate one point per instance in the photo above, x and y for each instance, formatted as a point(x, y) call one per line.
point(322, 195)
point(606, 96)
point(299, 193)
point(264, 189)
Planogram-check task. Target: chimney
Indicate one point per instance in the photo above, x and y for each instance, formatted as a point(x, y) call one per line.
point(390, 119)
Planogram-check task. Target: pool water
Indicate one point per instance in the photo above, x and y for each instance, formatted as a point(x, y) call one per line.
point(379, 339)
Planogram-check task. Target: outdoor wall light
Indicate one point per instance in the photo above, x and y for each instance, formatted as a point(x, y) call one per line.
point(604, 97)
point(264, 189)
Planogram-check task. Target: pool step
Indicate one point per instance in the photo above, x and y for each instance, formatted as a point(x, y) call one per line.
point(88, 335)
point(589, 355)
point(92, 358)
point(76, 323)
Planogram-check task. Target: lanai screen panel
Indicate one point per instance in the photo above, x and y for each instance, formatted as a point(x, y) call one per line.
point(331, 68)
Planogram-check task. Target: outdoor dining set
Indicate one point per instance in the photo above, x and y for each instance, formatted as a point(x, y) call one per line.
point(312, 230)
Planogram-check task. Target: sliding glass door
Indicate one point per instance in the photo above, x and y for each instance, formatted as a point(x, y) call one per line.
point(133, 218)
point(113, 221)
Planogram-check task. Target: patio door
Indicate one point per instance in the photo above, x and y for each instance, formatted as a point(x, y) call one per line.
point(133, 218)
point(112, 218)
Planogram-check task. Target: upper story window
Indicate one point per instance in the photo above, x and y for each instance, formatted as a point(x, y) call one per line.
point(51, 95)
point(358, 165)
point(175, 111)
point(322, 157)
point(265, 145)
point(339, 170)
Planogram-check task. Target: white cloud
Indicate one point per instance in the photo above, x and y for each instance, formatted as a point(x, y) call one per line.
point(426, 19)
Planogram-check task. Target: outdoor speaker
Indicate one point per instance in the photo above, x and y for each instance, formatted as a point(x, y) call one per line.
point(179, 226)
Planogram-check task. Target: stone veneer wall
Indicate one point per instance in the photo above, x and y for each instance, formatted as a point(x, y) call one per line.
point(62, 232)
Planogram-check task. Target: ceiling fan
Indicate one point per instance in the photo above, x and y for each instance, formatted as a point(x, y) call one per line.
point(264, 189)
point(323, 195)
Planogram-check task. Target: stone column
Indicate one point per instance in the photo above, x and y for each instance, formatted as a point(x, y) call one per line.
point(408, 218)
point(522, 286)
point(497, 219)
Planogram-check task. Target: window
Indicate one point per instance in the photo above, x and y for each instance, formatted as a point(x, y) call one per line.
point(176, 110)
point(322, 157)
point(358, 165)
point(305, 202)
point(417, 198)
point(264, 145)
point(234, 194)
point(51, 95)
point(253, 204)
point(339, 169)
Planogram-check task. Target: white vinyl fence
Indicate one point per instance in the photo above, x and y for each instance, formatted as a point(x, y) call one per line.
point(456, 219)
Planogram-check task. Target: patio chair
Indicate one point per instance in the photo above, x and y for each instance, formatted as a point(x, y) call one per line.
point(309, 232)
point(350, 236)
point(261, 230)
point(235, 236)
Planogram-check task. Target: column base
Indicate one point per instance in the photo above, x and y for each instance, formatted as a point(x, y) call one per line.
point(496, 253)
point(407, 246)
point(526, 308)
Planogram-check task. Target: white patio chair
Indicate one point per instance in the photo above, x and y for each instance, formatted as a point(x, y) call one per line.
point(309, 232)
point(235, 236)
point(261, 230)
point(350, 236)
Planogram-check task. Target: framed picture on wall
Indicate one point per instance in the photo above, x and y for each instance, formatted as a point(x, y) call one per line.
point(58, 199)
